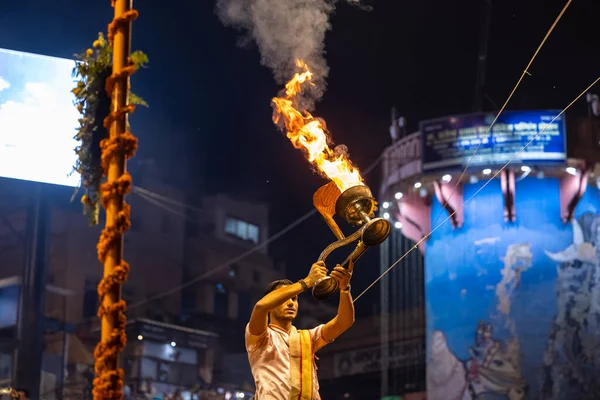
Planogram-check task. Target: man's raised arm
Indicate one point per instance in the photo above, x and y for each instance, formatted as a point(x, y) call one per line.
point(259, 319)
point(345, 315)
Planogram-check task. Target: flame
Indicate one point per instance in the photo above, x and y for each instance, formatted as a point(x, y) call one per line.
point(309, 134)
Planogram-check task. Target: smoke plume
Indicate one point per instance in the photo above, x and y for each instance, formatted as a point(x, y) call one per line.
point(285, 30)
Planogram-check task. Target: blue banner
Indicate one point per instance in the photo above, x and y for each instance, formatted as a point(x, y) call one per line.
point(450, 142)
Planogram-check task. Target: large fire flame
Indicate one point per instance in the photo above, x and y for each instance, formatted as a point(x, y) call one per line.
point(309, 134)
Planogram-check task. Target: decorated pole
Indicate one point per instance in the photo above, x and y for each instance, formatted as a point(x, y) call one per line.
point(116, 149)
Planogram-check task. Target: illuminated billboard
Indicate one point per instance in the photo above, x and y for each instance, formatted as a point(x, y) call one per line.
point(450, 142)
point(37, 119)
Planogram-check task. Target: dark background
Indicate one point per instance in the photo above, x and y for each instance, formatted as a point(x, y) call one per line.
point(209, 123)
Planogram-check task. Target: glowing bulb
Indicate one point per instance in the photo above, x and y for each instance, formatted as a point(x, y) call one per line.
point(398, 225)
point(398, 195)
point(418, 185)
point(386, 215)
point(447, 178)
point(473, 179)
point(525, 168)
point(140, 337)
point(386, 204)
point(173, 344)
point(571, 170)
point(487, 171)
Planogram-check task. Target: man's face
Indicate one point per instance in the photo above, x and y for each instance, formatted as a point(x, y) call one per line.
point(287, 311)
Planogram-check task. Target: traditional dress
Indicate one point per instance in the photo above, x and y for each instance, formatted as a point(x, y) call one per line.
point(446, 375)
point(283, 363)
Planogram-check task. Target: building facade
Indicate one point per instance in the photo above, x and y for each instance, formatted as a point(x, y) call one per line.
point(192, 266)
point(402, 289)
point(506, 218)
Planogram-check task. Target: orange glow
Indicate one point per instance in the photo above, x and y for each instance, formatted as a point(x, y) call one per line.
point(309, 134)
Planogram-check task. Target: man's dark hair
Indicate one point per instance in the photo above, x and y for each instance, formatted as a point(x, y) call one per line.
point(275, 284)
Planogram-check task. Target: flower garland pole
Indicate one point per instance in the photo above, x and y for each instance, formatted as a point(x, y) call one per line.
point(116, 149)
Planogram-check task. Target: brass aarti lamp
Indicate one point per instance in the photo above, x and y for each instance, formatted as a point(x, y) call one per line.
point(357, 207)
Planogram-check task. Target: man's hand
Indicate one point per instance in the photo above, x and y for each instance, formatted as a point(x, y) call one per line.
point(342, 275)
point(317, 271)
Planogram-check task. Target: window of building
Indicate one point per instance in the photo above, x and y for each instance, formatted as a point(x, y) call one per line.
point(149, 368)
point(221, 300)
point(188, 294)
point(188, 299)
point(220, 288)
point(242, 229)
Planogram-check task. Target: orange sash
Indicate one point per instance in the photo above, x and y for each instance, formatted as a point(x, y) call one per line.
point(301, 364)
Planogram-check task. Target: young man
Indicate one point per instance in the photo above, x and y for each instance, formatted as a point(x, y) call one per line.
point(281, 357)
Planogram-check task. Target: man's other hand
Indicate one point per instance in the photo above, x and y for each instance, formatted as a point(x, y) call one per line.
point(342, 275)
point(317, 271)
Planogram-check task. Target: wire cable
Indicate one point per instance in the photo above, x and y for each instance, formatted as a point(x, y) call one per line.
point(141, 191)
point(241, 256)
point(226, 263)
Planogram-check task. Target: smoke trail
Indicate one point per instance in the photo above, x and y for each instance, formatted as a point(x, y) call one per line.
point(285, 30)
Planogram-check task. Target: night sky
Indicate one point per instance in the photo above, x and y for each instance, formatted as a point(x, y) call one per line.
point(210, 115)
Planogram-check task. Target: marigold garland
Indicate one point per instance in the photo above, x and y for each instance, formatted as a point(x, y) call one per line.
point(92, 99)
point(95, 152)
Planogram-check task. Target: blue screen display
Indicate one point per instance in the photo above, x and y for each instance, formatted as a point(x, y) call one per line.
point(450, 142)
